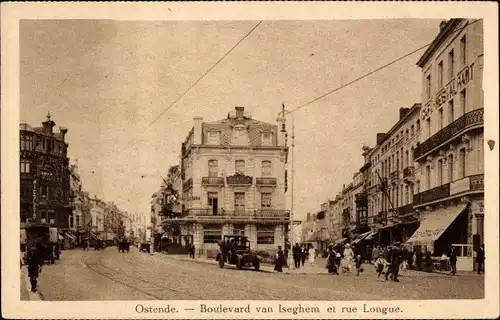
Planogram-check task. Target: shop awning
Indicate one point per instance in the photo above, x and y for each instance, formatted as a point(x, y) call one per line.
point(434, 224)
point(361, 237)
point(164, 236)
point(371, 235)
point(339, 241)
point(70, 236)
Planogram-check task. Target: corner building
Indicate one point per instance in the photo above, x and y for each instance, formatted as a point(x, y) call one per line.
point(233, 183)
point(450, 200)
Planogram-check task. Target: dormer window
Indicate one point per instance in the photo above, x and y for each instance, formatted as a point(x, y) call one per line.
point(267, 139)
point(213, 138)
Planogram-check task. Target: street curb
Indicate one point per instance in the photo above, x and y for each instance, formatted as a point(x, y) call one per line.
point(33, 296)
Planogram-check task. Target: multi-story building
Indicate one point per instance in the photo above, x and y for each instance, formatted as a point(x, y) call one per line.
point(451, 195)
point(97, 213)
point(390, 179)
point(45, 181)
point(335, 220)
point(348, 211)
point(75, 219)
point(233, 182)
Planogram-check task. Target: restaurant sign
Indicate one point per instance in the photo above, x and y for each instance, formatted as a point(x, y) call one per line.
point(455, 85)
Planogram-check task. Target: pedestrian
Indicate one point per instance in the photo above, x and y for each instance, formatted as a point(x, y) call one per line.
point(428, 264)
point(453, 261)
point(395, 261)
point(375, 253)
point(359, 262)
point(388, 258)
point(348, 257)
point(480, 259)
point(312, 255)
point(303, 254)
point(380, 263)
point(279, 260)
point(330, 264)
point(34, 262)
point(297, 253)
point(191, 251)
point(442, 263)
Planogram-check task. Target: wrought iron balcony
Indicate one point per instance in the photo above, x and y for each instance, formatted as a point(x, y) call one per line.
point(433, 194)
point(468, 120)
point(265, 181)
point(272, 213)
point(238, 213)
point(212, 181)
point(394, 177)
point(239, 180)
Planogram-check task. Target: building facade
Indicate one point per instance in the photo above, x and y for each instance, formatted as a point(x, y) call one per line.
point(451, 153)
point(45, 181)
point(390, 171)
point(97, 213)
point(233, 183)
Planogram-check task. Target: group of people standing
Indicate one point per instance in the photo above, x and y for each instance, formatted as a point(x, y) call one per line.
point(343, 259)
point(300, 254)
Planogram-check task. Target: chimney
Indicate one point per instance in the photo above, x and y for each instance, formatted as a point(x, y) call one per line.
point(403, 112)
point(197, 130)
point(63, 131)
point(239, 112)
point(381, 137)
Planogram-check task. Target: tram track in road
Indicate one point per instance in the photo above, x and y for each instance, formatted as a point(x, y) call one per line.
point(261, 291)
point(143, 286)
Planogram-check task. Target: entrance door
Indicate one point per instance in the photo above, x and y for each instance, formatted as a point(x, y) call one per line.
point(465, 258)
point(213, 202)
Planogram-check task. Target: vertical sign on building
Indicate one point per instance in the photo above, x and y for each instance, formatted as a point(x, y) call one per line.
point(34, 199)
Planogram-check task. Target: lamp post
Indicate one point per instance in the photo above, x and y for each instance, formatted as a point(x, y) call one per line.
point(291, 236)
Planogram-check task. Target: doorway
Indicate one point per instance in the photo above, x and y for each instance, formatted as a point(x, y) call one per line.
point(213, 202)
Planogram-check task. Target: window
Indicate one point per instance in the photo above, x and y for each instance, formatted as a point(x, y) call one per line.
point(428, 177)
point(213, 168)
point(440, 118)
point(407, 134)
point(265, 200)
point(397, 161)
point(451, 65)
point(462, 162)
point(463, 50)
point(52, 217)
point(27, 142)
point(212, 234)
point(449, 163)
point(412, 130)
point(440, 75)
point(418, 125)
point(240, 166)
point(266, 169)
point(239, 229)
point(43, 217)
point(418, 186)
point(50, 143)
point(412, 152)
point(440, 172)
point(265, 235)
point(239, 202)
point(25, 166)
point(407, 158)
point(77, 221)
point(213, 137)
point(213, 202)
point(428, 86)
point(267, 139)
point(44, 190)
point(463, 102)
point(451, 111)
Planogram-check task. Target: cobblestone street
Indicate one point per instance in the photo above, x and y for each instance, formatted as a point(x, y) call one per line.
point(109, 275)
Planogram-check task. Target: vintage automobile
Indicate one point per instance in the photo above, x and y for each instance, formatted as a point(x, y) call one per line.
point(123, 245)
point(235, 250)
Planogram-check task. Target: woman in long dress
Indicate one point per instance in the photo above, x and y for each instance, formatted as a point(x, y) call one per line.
point(348, 257)
point(312, 255)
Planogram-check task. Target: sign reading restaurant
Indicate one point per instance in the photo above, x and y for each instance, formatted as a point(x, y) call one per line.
point(455, 85)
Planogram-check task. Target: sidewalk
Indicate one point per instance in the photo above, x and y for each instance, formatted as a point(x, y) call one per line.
point(26, 294)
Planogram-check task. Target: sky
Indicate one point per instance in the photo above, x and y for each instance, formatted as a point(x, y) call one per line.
point(109, 81)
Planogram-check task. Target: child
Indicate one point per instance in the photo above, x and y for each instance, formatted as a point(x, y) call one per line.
point(379, 266)
point(358, 261)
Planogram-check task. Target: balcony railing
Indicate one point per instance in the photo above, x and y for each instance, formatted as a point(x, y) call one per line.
point(433, 194)
point(212, 181)
point(477, 182)
point(408, 172)
point(265, 181)
point(469, 119)
point(239, 179)
point(242, 213)
point(394, 176)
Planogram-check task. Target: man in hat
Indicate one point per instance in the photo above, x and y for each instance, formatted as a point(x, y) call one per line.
point(395, 261)
point(34, 262)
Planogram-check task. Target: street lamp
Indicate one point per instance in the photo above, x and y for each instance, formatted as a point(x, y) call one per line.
point(282, 119)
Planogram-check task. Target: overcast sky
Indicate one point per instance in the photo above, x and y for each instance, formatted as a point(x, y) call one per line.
point(107, 80)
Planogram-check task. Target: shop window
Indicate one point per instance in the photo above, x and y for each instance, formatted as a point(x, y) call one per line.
point(265, 235)
point(212, 234)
